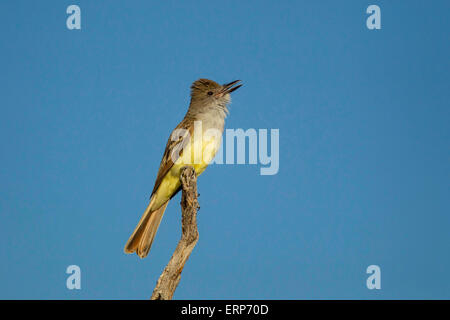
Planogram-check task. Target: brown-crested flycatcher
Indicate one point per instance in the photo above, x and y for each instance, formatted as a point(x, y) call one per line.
point(195, 142)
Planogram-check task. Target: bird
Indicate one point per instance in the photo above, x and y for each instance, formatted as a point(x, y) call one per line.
point(194, 141)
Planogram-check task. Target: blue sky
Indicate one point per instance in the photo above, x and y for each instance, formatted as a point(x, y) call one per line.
point(364, 147)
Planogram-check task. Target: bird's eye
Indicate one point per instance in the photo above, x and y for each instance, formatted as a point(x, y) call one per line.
point(210, 93)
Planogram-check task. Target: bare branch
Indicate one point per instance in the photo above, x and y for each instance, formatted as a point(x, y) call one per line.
point(169, 279)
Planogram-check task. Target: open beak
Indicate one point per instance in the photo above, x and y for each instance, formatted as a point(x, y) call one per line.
point(230, 87)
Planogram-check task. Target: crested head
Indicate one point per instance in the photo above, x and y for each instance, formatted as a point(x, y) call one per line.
point(207, 93)
point(201, 87)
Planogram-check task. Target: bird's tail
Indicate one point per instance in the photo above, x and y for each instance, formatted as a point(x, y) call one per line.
point(141, 239)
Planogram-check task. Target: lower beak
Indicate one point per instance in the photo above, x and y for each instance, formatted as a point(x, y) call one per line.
point(230, 87)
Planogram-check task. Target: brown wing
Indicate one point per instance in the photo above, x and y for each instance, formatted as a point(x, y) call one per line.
point(179, 138)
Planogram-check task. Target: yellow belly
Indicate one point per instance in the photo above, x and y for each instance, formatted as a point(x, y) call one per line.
point(197, 154)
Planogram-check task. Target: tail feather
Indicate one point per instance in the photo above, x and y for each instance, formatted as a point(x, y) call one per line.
point(142, 238)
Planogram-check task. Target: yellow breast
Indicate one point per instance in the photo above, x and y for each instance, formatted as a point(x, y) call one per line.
point(198, 154)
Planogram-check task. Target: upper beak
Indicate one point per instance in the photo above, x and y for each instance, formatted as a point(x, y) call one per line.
point(230, 87)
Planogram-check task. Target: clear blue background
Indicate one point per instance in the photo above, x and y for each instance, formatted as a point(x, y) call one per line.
point(364, 147)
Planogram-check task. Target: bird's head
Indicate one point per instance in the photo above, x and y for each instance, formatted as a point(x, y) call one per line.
point(207, 92)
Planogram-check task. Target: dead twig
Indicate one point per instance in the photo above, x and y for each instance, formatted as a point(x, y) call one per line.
point(169, 279)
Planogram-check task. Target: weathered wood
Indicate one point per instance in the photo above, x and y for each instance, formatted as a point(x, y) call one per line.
point(169, 279)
